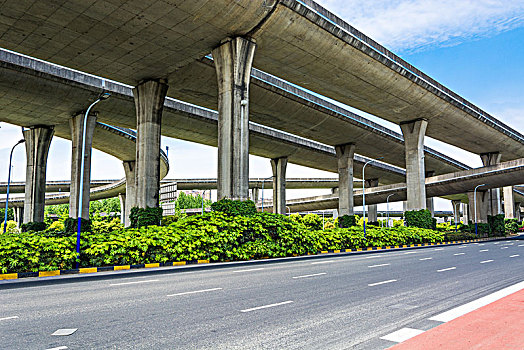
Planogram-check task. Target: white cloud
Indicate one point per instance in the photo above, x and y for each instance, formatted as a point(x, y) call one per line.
point(413, 25)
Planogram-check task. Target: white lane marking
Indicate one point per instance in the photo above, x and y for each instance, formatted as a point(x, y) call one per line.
point(379, 265)
point(504, 247)
point(59, 348)
point(438, 249)
point(486, 261)
point(8, 318)
point(509, 244)
point(480, 245)
point(402, 335)
point(496, 243)
point(521, 245)
point(483, 250)
point(410, 253)
point(447, 269)
point(462, 247)
point(194, 292)
point(372, 257)
point(312, 275)
point(475, 304)
point(249, 270)
point(460, 254)
point(135, 282)
point(426, 259)
point(267, 306)
point(65, 331)
point(379, 283)
point(322, 262)
point(514, 256)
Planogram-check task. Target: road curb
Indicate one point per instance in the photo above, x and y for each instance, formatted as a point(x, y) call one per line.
point(10, 280)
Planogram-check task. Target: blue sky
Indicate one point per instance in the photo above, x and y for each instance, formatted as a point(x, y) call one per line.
point(474, 47)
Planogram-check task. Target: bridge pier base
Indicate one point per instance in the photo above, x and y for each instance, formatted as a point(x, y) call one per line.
point(345, 158)
point(372, 208)
point(494, 207)
point(149, 98)
point(414, 132)
point(37, 142)
point(279, 166)
point(482, 206)
point(233, 62)
point(77, 127)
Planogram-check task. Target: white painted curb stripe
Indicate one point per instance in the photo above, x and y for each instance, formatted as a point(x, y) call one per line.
point(267, 306)
point(402, 335)
point(194, 292)
point(379, 283)
point(475, 304)
point(312, 275)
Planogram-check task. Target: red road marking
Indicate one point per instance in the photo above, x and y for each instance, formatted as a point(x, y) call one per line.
point(499, 325)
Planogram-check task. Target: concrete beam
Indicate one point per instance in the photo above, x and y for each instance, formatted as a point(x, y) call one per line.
point(233, 62)
point(130, 195)
point(482, 204)
point(494, 207)
point(372, 208)
point(414, 132)
point(149, 102)
point(345, 157)
point(76, 125)
point(37, 142)
point(279, 166)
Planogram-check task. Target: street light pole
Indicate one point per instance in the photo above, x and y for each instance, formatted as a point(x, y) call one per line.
point(103, 96)
point(475, 206)
point(364, 192)
point(8, 182)
point(387, 207)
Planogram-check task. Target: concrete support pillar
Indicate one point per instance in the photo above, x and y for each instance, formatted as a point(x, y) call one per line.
point(456, 210)
point(465, 213)
point(37, 142)
point(414, 132)
point(404, 206)
point(123, 218)
point(19, 215)
point(372, 208)
point(77, 127)
point(279, 184)
point(430, 202)
point(482, 206)
point(517, 211)
point(494, 206)
point(233, 62)
point(130, 195)
point(345, 155)
point(509, 202)
point(149, 102)
point(255, 194)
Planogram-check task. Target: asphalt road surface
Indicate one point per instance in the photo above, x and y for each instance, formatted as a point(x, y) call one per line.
point(336, 302)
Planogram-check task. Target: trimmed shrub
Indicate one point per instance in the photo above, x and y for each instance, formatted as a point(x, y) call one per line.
point(71, 225)
point(235, 207)
point(11, 227)
point(347, 221)
point(496, 224)
point(511, 226)
point(419, 218)
point(34, 226)
point(312, 221)
point(145, 216)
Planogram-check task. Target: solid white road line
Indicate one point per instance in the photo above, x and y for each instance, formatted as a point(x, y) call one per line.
point(322, 262)
point(484, 250)
point(194, 292)
point(379, 283)
point(475, 304)
point(379, 265)
point(514, 256)
point(135, 282)
point(312, 275)
point(486, 261)
point(447, 269)
point(59, 348)
point(267, 306)
point(402, 335)
point(425, 259)
point(459, 254)
point(8, 318)
point(249, 270)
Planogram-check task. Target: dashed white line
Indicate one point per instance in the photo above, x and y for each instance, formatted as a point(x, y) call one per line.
point(410, 253)
point(484, 250)
point(312, 275)
point(322, 262)
point(509, 244)
point(379, 283)
point(59, 348)
point(521, 245)
point(496, 243)
point(464, 309)
point(194, 292)
point(426, 259)
point(462, 247)
point(249, 270)
point(504, 247)
point(486, 261)
point(379, 265)
point(8, 318)
point(438, 249)
point(460, 254)
point(480, 245)
point(402, 335)
point(514, 256)
point(64, 332)
point(447, 269)
point(267, 306)
point(135, 282)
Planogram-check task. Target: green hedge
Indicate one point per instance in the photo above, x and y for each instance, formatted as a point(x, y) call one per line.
point(235, 207)
point(347, 221)
point(420, 218)
point(214, 236)
point(33, 226)
point(71, 225)
point(140, 217)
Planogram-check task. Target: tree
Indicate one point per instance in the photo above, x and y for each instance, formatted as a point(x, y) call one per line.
point(187, 201)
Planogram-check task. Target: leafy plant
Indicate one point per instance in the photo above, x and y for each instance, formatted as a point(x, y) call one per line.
point(419, 218)
point(33, 226)
point(71, 225)
point(234, 207)
point(145, 216)
point(511, 226)
point(347, 220)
